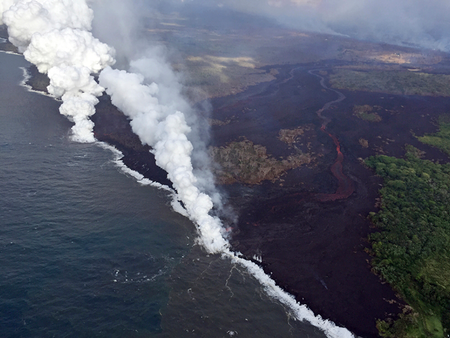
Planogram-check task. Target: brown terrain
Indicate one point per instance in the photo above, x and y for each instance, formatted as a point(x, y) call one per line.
point(292, 166)
point(314, 246)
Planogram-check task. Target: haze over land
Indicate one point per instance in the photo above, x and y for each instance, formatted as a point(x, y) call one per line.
point(411, 22)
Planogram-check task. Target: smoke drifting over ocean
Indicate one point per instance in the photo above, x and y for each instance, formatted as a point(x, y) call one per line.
point(164, 129)
point(55, 36)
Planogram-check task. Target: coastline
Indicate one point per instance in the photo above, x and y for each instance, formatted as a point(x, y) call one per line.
point(306, 226)
point(112, 128)
point(113, 132)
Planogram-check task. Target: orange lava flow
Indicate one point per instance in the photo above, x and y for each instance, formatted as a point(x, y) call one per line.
point(345, 185)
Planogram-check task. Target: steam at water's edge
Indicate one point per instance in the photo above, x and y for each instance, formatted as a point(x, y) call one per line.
point(165, 131)
point(55, 36)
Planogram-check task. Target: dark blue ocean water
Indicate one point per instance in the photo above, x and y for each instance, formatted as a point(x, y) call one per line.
point(85, 251)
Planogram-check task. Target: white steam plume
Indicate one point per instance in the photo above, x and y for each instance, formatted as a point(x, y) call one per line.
point(155, 118)
point(55, 36)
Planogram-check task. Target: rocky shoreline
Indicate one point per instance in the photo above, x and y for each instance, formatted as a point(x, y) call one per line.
point(323, 266)
point(113, 127)
point(313, 249)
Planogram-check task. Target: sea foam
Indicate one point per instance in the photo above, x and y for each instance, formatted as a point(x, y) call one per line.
point(299, 311)
point(26, 77)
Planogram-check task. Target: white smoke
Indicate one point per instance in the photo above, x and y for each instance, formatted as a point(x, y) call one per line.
point(55, 36)
point(158, 123)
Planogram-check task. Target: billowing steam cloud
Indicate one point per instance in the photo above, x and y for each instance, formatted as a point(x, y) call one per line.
point(55, 36)
point(164, 128)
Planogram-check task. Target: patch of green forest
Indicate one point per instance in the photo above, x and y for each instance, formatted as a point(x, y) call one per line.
point(411, 250)
point(395, 82)
point(441, 139)
point(366, 113)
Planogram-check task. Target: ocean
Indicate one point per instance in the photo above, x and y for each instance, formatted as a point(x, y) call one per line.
point(87, 251)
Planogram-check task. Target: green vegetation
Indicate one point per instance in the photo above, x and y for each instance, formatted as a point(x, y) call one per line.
point(441, 139)
point(291, 136)
point(414, 152)
point(249, 163)
point(365, 113)
point(394, 82)
point(411, 251)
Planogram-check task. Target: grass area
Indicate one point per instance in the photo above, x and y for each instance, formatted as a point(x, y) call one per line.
point(366, 113)
point(394, 82)
point(291, 136)
point(441, 139)
point(220, 77)
point(249, 163)
point(364, 143)
point(411, 250)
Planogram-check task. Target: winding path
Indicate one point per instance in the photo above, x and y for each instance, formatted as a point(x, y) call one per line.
point(345, 185)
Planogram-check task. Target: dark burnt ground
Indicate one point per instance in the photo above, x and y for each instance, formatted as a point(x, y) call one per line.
point(313, 249)
point(113, 127)
point(6, 46)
